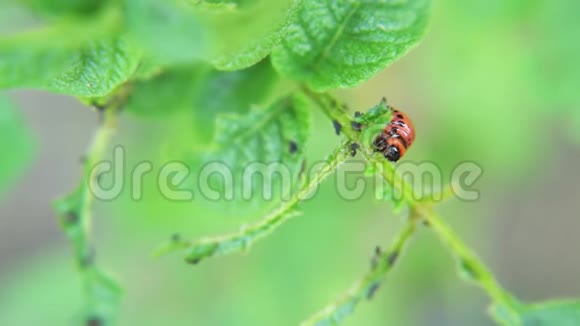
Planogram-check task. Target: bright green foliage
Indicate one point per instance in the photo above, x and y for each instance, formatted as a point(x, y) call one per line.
point(168, 31)
point(228, 36)
point(201, 89)
point(165, 93)
point(235, 91)
point(15, 144)
point(343, 43)
point(204, 65)
point(32, 61)
point(73, 7)
point(221, 92)
point(263, 26)
point(264, 142)
point(202, 92)
point(97, 69)
point(75, 59)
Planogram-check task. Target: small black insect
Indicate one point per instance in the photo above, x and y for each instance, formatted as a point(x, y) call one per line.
point(372, 290)
point(94, 321)
point(337, 127)
point(375, 259)
point(392, 258)
point(356, 125)
point(353, 148)
point(292, 147)
point(70, 218)
point(99, 107)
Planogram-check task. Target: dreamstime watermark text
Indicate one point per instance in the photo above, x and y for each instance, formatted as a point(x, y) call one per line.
point(218, 181)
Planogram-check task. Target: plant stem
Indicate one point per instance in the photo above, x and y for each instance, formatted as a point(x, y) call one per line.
point(470, 265)
point(242, 240)
point(366, 287)
point(102, 294)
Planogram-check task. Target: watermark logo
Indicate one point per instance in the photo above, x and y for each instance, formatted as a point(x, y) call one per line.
point(218, 181)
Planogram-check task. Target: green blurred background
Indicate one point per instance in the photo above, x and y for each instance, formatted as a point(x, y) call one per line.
point(496, 82)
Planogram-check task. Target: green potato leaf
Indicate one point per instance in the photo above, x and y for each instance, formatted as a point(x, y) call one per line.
point(228, 35)
point(343, 43)
point(84, 59)
point(97, 69)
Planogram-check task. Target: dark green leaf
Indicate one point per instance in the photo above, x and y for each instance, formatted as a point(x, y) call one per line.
point(266, 145)
point(343, 43)
point(75, 7)
point(236, 91)
point(170, 91)
point(204, 90)
point(15, 144)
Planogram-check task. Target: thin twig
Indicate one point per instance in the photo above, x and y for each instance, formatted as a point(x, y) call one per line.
point(242, 240)
point(366, 287)
point(102, 294)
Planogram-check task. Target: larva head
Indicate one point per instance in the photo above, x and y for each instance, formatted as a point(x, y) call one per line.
point(392, 153)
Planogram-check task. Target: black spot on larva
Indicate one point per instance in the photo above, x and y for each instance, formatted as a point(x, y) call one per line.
point(192, 261)
point(292, 147)
point(404, 141)
point(392, 258)
point(356, 126)
point(400, 116)
point(379, 143)
point(400, 123)
point(353, 148)
point(372, 290)
point(94, 321)
point(357, 114)
point(337, 127)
